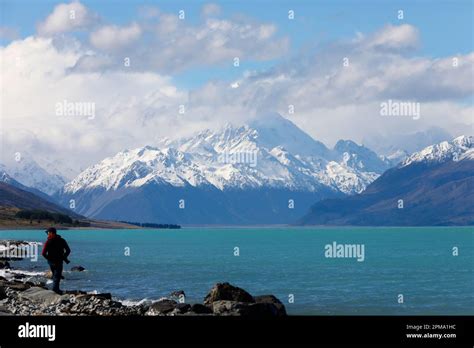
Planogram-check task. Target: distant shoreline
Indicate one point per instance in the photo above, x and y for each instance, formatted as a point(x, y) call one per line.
point(94, 225)
point(112, 227)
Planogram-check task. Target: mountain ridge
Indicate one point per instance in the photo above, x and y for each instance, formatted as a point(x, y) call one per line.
point(431, 187)
point(231, 159)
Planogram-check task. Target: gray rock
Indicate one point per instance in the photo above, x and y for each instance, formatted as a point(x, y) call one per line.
point(227, 292)
point(263, 310)
point(77, 269)
point(88, 297)
point(277, 306)
point(200, 309)
point(183, 308)
point(41, 296)
point(254, 310)
point(228, 307)
point(162, 307)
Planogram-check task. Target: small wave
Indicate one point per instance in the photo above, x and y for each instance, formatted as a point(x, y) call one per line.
point(27, 273)
point(128, 302)
point(8, 273)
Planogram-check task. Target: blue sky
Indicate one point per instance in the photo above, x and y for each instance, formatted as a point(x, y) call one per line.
point(446, 27)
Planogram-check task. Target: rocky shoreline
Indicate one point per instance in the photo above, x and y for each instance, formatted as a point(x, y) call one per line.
point(21, 294)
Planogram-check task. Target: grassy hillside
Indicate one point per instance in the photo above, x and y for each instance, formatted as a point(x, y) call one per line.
point(20, 209)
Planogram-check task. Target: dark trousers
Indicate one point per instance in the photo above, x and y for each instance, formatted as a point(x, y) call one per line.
point(57, 271)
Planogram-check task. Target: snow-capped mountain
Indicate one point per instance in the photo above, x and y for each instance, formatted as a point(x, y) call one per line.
point(360, 157)
point(436, 185)
point(397, 156)
point(272, 152)
point(28, 172)
point(58, 167)
point(460, 147)
point(7, 179)
point(269, 161)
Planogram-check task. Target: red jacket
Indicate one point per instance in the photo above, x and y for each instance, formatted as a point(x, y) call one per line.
point(55, 249)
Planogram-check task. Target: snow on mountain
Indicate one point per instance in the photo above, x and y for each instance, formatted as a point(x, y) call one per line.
point(468, 155)
point(4, 177)
point(271, 152)
point(360, 157)
point(457, 149)
point(274, 130)
point(58, 167)
point(29, 173)
point(397, 156)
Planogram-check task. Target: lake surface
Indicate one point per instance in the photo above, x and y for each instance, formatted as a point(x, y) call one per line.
point(417, 263)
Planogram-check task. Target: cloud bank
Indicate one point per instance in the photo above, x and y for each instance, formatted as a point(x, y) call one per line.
point(332, 92)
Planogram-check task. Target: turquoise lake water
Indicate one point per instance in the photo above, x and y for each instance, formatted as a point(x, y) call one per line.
point(287, 262)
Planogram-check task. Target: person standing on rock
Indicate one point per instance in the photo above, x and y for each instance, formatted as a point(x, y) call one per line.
point(56, 250)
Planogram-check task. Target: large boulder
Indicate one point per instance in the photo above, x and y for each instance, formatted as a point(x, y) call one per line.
point(182, 308)
point(41, 296)
point(200, 309)
point(245, 309)
point(272, 304)
point(162, 307)
point(227, 292)
point(228, 307)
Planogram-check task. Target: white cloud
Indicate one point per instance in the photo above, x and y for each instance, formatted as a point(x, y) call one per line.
point(179, 46)
point(130, 108)
point(395, 37)
point(112, 37)
point(163, 42)
point(66, 18)
point(136, 107)
point(211, 10)
point(332, 101)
